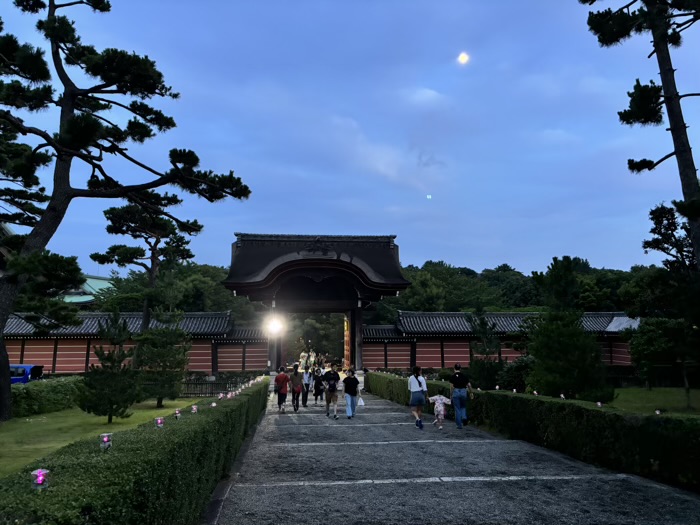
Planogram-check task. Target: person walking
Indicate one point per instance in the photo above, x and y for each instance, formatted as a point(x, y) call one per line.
point(459, 384)
point(331, 379)
point(318, 386)
point(297, 381)
point(419, 393)
point(281, 387)
point(308, 380)
point(439, 410)
point(351, 385)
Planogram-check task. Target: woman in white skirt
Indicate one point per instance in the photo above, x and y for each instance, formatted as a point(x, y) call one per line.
point(419, 394)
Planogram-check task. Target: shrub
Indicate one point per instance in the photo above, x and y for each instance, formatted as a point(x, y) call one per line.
point(483, 373)
point(515, 373)
point(665, 448)
point(42, 397)
point(149, 477)
point(604, 394)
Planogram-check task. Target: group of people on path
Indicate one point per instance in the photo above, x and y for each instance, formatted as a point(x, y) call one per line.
point(460, 388)
point(323, 384)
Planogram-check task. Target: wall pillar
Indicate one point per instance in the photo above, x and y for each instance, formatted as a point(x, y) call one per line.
point(356, 331)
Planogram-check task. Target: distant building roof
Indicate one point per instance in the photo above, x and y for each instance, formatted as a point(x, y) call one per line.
point(197, 324)
point(86, 293)
point(422, 324)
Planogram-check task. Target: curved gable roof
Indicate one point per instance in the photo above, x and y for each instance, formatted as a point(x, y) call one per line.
point(255, 257)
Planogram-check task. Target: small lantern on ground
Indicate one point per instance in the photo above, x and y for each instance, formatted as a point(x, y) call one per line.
point(40, 478)
point(562, 396)
point(535, 392)
point(194, 409)
point(221, 395)
point(213, 405)
point(657, 412)
point(177, 413)
point(599, 404)
point(159, 421)
point(498, 387)
point(105, 441)
point(478, 389)
point(229, 395)
point(515, 391)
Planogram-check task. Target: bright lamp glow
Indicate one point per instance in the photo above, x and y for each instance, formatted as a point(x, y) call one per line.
point(274, 325)
point(159, 421)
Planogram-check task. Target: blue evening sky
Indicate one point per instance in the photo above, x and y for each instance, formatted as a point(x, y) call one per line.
point(344, 116)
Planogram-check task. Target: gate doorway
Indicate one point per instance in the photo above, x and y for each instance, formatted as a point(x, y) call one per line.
point(316, 274)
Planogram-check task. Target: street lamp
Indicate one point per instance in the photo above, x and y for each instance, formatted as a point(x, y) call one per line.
point(274, 326)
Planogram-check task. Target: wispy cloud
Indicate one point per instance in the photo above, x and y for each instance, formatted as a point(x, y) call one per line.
point(423, 96)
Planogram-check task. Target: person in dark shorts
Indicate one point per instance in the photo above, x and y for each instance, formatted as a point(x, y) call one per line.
point(459, 387)
point(318, 386)
point(419, 394)
point(331, 380)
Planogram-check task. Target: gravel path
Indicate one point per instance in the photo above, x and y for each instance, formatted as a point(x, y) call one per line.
point(378, 468)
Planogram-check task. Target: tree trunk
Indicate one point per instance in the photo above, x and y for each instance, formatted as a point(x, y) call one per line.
point(109, 418)
point(5, 386)
point(686, 385)
point(681, 143)
point(36, 241)
point(159, 402)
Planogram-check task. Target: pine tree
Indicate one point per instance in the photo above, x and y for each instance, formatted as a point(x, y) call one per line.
point(113, 386)
point(164, 239)
point(162, 358)
point(109, 85)
point(567, 358)
point(664, 21)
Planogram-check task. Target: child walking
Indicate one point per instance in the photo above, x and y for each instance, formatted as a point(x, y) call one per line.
point(439, 410)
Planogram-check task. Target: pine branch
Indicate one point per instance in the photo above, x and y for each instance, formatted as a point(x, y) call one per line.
point(56, 56)
point(123, 191)
point(18, 124)
point(69, 4)
point(689, 95)
point(99, 88)
point(637, 166)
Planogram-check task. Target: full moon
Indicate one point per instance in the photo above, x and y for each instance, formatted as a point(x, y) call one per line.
point(463, 58)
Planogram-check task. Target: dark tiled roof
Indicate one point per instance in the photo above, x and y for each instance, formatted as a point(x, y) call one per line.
point(424, 323)
point(411, 324)
point(383, 331)
point(597, 321)
point(246, 334)
point(507, 322)
point(256, 258)
point(214, 324)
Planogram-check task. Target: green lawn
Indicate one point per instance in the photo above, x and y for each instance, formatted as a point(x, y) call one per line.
point(669, 400)
point(23, 440)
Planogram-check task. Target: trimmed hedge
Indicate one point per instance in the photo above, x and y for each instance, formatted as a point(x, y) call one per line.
point(149, 477)
point(664, 448)
point(42, 397)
